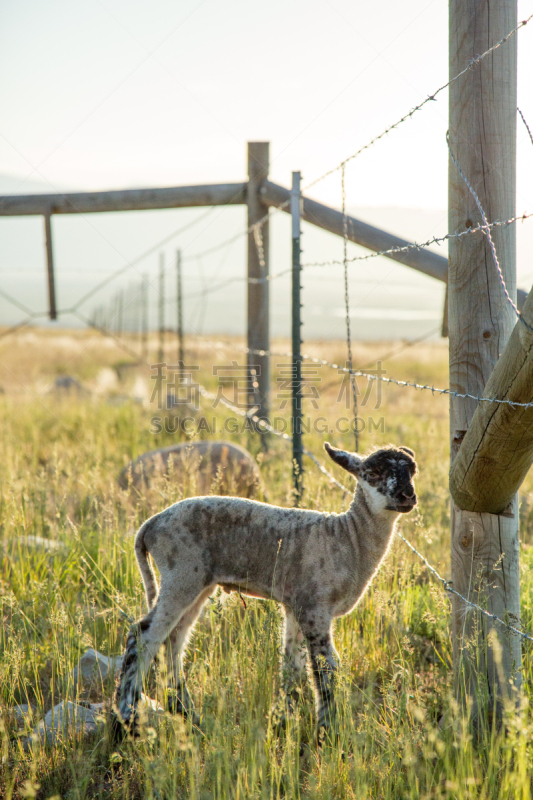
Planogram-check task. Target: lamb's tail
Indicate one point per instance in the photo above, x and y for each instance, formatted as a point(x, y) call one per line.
point(147, 573)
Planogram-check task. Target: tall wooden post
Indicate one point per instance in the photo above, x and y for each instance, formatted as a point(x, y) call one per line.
point(161, 307)
point(120, 313)
point(484, 553)
point(52, 310)
point(181, 357)
point(297, 444)
point(258, 287)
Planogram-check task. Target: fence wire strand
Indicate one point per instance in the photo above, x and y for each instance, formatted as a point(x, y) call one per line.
point(527, 126)
point(486, 230)
point(419, 245)
point(421, 105)
point(262, 425)
point(362, 374)
point(447, 585)
point(353, 384)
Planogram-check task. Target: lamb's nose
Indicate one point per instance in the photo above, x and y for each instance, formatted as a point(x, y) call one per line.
point(409, 494)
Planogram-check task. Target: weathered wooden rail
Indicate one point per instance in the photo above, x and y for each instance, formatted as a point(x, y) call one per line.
point(258, 194)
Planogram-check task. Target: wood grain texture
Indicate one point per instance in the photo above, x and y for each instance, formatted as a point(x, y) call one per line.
point(359, 232)
point(484, 547)
point(258, 268)
point(497, 450)
point(123, 200)
point(52, 310)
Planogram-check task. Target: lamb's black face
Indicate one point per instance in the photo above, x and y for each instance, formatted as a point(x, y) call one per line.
point(390, 471)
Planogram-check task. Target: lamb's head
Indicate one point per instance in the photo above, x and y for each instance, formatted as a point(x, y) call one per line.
point(385, 476)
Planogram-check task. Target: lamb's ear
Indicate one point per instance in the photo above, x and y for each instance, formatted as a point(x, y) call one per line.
point(407, 450)
point(348, 461)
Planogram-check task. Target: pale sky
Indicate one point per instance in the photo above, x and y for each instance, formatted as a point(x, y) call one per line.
point(120, 94)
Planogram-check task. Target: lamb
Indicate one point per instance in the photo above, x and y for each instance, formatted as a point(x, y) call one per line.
point(317, 565)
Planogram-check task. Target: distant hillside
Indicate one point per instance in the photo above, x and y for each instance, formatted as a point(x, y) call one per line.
point(17, 184)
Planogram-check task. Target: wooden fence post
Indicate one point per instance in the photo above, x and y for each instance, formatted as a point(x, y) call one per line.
point(296, 376)
point(120, 313)
point(258, 268)
point(484, 547)
point(161, 307)
point(179, 304)
point(50, 267)
point(497, 451)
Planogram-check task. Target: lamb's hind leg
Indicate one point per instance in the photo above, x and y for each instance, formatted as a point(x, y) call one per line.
point(179, 700)
point(293, 667)
point(143, 643)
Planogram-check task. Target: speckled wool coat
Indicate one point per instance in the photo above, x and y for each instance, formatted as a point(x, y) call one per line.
point(317, 565)
point(299, 558)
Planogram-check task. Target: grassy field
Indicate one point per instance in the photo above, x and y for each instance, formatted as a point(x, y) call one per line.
point(62, 452)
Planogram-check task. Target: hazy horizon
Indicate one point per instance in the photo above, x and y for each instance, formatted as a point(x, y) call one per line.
point(170, 94)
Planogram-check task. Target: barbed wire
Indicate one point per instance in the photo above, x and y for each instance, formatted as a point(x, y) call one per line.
point(28, 320)
point(249, 230)
point(16, 327)
point(527, 126)
point(419, 245)
point(370, 376)
point(106, 332)
point(142, 256)
point(270, 277)
point(486, 231)
point(447, 585)
point(262, 424)
point(347, 302)
point(421, 105)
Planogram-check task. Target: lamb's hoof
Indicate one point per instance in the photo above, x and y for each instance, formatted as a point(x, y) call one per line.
point(116, 729)
point(281, 713)
point(175, 705)
point(119, 729)
point(327, 736)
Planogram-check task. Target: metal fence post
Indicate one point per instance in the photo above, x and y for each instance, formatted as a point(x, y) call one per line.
point(297, 446)
point(144, 318)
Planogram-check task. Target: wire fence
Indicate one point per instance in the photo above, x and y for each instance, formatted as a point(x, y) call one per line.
point(486, 230)
point(124, 317)
point(446, 584)
point(421, 105)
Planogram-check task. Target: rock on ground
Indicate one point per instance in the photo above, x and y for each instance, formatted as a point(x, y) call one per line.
point(93, 667)
point(217, 467)
point(68, 719)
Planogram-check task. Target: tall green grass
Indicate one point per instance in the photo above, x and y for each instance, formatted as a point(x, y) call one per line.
point(401, 734)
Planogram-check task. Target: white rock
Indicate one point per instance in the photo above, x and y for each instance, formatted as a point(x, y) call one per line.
point(106, 380)
point(64, 720)
point(67, 719)
point(95, 667)
point(23, 714)
point(49, 545)
point(66, 384)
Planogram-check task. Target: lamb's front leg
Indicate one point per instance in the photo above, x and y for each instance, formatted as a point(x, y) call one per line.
point(324, 663)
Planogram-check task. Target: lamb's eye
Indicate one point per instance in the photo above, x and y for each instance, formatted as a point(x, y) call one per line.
point(371, 476)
